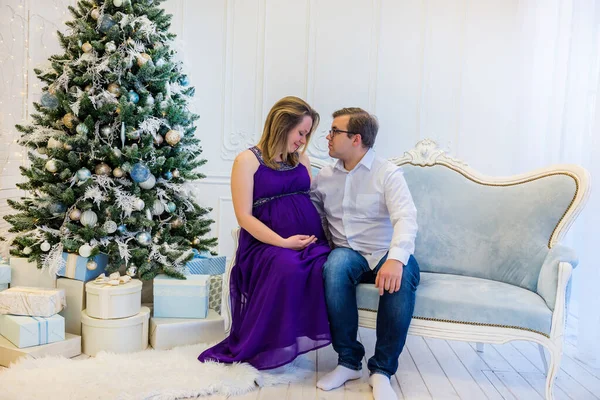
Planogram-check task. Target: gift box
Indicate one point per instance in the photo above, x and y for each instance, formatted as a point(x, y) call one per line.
point(25, 331)
point(76, 267)
point(205, 264)
point(104, 301)
point(75, 295)
point(181, 298)
point(3, 286)
point(4, 272)
point(25, 273)
point(33, 302)
point(9, 353)
point(125, 335)
point(216, 293)
point(166, 333)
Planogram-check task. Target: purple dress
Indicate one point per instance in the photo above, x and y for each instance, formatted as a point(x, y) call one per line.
point(277, 296)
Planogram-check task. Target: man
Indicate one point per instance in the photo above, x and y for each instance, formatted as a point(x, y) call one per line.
point(373, 224)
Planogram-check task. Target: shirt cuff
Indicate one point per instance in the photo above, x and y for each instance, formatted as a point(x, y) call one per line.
point(399, 254)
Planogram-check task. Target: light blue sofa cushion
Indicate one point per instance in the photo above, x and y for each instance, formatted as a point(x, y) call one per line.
point(471, 300)
point(492, 232)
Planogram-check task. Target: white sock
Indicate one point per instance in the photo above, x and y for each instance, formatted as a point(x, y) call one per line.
point(338, 377)
point(382, 388)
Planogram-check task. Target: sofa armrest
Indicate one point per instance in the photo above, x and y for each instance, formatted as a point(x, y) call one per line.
point(548, 280)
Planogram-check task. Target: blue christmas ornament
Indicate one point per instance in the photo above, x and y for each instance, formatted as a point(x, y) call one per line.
point(133, 97)
point(171, 206)
point(49, 101)
point(84, 174)
point(57, 208)
point(122, 228)
point(106, 23)
point(183, 81)
point(143, 238)
point(139, 172)
point(168, 175)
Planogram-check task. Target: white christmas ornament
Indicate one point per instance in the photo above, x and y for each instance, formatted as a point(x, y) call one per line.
point(110, 226)
point(158, 207)
point(51, 166)
point(148, 183)
point(45, 246)
point(139, 204)
point(54, 144)
point(118, 3)
point(85, 250)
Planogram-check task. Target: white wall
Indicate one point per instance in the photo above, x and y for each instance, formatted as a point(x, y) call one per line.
point(492, 80)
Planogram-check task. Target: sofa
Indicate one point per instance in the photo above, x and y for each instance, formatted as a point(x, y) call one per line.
point(493, 268)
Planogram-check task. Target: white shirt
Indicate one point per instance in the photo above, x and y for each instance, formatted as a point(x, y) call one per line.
point(369, 209)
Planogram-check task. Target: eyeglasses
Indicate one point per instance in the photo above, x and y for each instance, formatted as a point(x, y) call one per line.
point(334, 132)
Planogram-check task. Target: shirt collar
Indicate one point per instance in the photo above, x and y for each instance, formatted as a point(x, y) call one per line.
point(366, 161)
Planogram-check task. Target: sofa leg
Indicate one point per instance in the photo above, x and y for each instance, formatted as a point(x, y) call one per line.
point(553, 368)
point(480, 347)
point(543, 355)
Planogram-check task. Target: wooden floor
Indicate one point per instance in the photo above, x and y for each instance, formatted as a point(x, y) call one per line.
point(443, 369)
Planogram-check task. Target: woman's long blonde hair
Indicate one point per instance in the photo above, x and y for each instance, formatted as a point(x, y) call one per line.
point(283, 117)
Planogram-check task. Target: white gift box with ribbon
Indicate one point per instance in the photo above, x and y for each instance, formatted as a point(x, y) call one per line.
point(9, 353)
point(30, 301)
point(25, 331)
point(125, 335)
point(166, 333)
point(111, 299)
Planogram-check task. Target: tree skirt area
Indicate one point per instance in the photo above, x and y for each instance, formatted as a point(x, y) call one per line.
point(150, 374)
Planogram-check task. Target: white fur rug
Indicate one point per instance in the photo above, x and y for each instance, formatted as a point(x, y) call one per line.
point(150, 374)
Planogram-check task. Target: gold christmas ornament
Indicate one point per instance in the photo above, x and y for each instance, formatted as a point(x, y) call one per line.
point(42, 150)
point(177, 223)
point(158, 140)
point(51, 89)
point(95, 13)
point(196, 241)
point(51, 166)
point(53, 143)
point(173, 137)
point(143, 59)
point(69, 120)
point(89, 88)
point(86, 47)
point(102, 169)
point(115, 89)
point(75, 214)
point(118, 172)
point(67, 146)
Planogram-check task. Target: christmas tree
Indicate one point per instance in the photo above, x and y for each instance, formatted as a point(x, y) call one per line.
point(111, 148)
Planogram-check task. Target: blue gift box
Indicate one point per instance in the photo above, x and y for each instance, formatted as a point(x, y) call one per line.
point(76, 267)
point(205, 264)
point(4, 272)
point(25, 331)
point(179, 298)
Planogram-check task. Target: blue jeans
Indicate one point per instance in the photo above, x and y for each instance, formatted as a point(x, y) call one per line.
point(343, 271)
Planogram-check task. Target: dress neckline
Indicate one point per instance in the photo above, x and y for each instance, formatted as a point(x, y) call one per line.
point(283, 165)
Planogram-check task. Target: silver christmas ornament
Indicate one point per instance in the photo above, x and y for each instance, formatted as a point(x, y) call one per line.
point(105, 130)
point(110, 47)
point(110, 226)
point(89, 218)
point(91, 265)
point(148, 183)
point(27, 250)
point(139, 204)
point(149, 100)
point(45, 246)
point(132, 271)
point(143, 238)
point(82, 129)
point(158, 140)
point(75, 214)
point(117, 152)
point(157, 207)
point(51, 166)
